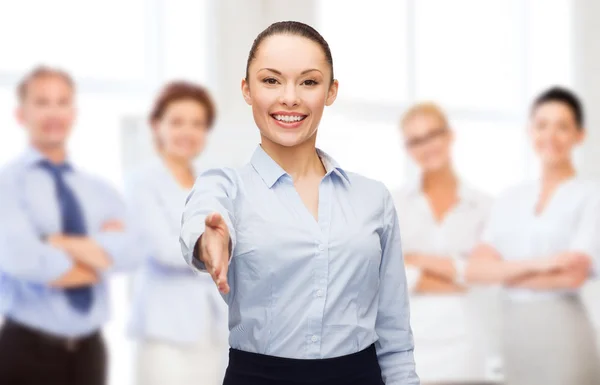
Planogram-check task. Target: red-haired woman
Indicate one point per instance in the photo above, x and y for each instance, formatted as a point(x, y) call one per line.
point(178, 318)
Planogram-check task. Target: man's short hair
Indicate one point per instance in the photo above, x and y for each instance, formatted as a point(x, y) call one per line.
point(40, 72)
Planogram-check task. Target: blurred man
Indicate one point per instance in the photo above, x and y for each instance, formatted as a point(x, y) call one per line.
point(62, 232)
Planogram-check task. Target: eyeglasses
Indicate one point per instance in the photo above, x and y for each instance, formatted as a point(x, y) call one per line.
point(418, 141)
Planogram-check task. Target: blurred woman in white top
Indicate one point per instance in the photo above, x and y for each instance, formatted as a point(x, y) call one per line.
point(542, 242)
point(178, 317)
point(441, 218)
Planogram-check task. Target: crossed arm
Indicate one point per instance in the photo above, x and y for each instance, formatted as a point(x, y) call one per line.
point(88, 256)
point(565, 270)
point(60, 260)
point(438, 274)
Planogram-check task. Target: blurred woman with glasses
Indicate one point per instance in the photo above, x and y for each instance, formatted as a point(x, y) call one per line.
point(441, 217)
point(541, 243)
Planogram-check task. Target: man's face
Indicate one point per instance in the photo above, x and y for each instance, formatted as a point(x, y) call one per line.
point(47, 111)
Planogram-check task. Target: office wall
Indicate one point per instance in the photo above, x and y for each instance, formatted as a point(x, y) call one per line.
point(586, 70)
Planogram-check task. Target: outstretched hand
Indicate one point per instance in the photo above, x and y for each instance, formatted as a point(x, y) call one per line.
point(214, 250)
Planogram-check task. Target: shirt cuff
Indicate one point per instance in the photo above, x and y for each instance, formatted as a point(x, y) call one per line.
point(189, 239)
point(198, 264)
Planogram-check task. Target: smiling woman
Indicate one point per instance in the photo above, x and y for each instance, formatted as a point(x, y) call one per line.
point(174, 330)
point(541, 243)
point(306, 254)
point(287, 93)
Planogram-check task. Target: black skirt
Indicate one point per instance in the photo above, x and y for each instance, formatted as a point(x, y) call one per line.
point(360, 368)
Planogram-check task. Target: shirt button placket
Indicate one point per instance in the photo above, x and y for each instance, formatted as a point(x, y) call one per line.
point(321, 265)
point(319, 294)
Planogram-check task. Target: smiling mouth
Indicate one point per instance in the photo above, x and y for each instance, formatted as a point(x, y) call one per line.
point(288, 118)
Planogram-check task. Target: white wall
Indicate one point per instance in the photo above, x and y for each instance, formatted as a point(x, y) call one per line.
point(586, 60)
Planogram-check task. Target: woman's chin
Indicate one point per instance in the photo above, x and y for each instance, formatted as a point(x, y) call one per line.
point(287, 139)
point(435, 166)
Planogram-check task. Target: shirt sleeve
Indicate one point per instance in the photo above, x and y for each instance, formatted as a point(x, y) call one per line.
point(395, 344)
point(123, 247)
point(214, 191)
point(490, 225)
point(586, 239)
point(159, 234)
point(23, 253)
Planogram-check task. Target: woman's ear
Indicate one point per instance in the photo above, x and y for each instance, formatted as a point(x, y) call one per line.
point(246, 91)
point(332, 93)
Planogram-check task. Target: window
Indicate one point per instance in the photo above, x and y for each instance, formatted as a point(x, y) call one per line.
point(96, 141)
point(482, 61)
point(490, 154)
point(93, 39)
point(359, 37)
point(469, 53)
point(186, 21)
point(549, 45)
point(372, 149)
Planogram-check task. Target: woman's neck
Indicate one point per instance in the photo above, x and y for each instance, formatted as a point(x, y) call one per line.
point(442, 179)
point(299, 162)
point(181, 169)
point(557, 173)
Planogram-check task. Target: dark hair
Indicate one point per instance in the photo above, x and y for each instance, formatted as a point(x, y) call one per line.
point(565, 96)
point(181, 90)
point(40, 72)
point(290, 28)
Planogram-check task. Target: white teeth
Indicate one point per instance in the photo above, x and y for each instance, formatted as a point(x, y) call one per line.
point(288, 118)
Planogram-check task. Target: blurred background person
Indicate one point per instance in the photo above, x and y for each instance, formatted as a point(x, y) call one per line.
point(179, 318)
point(542, 242)
point(441, 218)
point(63, 231)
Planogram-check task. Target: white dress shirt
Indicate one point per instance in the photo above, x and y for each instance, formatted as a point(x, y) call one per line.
point(443, 325)
point(171, 303)
point(570, 221)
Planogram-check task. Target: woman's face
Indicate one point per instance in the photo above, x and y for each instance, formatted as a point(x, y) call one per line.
point(428, 141)
point(182, 129)
point(288, 87)
point(554, 132)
